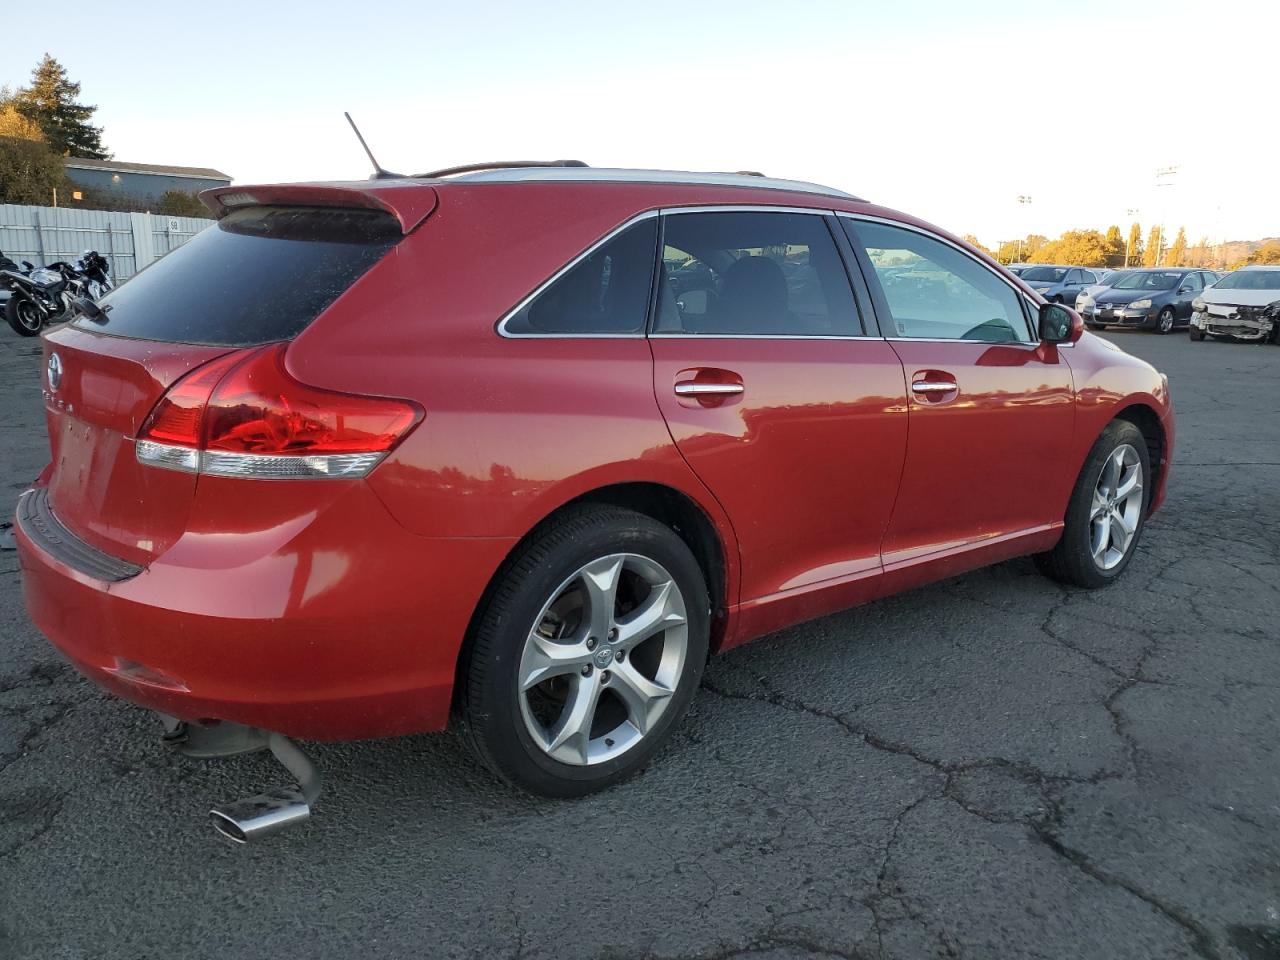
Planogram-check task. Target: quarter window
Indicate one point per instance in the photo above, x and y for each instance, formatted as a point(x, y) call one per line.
point(935, 292)
point(604, 293)
point(753, 274)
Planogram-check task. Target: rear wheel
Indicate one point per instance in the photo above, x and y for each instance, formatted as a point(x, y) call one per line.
point(586, 653)
point(23, 315)
point(1164, 322)
point(1107, 510)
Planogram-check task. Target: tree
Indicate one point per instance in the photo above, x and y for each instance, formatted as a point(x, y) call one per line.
point(969, 238)
point(1115, 246)
point(1268, 253)
point(13, 124)
point(1152, 252)
point(1087, 248)
point(1135, 244)
point(29, 172)
point(50, 103)
point(1178, 252)
point(180, 203)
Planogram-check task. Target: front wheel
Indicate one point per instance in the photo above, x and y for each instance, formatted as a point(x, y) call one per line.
point(1196, 333)
point(1164, 323)
point(23, 315)
point(586, 653)
point(1107, 510)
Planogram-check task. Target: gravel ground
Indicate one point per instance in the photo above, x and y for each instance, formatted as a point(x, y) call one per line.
point(994, 766)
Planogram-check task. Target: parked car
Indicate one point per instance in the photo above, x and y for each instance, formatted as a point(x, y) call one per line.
point(1084, 301)
point(1243, 305)
point(446, 444)
point(1017, 269)
point(1151, 298)
point(1058, 284)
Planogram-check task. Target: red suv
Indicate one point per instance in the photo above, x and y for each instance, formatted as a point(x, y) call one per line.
point(528, 444)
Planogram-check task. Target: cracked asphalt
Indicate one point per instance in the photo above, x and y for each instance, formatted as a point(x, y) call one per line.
point(991, 767)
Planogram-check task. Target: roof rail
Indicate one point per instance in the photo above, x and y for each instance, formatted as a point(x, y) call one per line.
point(497, 165)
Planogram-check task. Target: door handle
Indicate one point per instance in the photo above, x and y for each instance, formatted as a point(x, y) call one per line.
point(934, 386)
point(696, 388)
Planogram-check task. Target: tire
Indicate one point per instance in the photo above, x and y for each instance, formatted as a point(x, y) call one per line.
point(1096, 326)
point(1164, 322)
point(23, 316)
point(1076, 559)
point(518, 725)
point(1195, 333)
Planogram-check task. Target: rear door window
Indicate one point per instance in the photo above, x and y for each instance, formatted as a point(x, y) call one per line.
point(604, 293)
point(259, 275)
point(753, 274)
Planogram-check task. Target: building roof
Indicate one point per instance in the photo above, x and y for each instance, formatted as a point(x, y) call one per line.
point(157, 169)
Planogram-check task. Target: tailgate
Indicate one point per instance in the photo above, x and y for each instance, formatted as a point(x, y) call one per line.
point(105, 387)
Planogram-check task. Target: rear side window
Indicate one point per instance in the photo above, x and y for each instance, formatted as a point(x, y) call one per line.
point(259, 275)
point(753, 274)
point(605, 293)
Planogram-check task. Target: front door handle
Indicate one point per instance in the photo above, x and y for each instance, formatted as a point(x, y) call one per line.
point(695, 388)
point(933, 386)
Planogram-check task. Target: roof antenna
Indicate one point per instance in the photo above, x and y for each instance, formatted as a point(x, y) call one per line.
point(378, 172)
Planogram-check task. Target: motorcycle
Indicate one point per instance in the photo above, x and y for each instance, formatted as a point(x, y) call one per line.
point(40, 295)
point(96, 271)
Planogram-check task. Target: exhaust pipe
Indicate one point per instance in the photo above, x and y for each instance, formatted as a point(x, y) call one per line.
point(267, 813)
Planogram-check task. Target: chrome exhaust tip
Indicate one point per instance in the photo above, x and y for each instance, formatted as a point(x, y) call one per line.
point(260, 816)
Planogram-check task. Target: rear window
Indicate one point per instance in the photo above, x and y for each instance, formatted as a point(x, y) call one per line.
point(260, 274)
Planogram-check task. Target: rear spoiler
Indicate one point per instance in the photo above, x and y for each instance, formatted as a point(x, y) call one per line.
point(410, 203)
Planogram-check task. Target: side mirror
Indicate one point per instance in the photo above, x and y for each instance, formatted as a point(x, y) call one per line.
point(1184, 289)
point(1059, 324)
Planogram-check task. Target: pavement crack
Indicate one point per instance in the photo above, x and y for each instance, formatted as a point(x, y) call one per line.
point(1201, 940)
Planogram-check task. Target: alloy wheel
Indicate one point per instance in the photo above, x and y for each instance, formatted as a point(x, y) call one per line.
point(1166, 320)
point(603, 659)
point(1116, 508)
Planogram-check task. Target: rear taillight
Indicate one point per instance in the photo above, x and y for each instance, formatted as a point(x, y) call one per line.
point(242, 415)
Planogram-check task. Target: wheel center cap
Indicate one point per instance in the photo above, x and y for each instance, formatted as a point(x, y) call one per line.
point(603, 657)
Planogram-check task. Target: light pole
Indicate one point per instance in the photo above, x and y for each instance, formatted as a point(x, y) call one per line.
point(1023, 200)
point(1164, 178)
point(1129, 212)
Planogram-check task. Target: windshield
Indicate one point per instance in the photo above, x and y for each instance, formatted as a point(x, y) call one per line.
point(1052, 274)
point(1250, 280)
point(1109, 277)
point(1147, 281)
point(260, 274)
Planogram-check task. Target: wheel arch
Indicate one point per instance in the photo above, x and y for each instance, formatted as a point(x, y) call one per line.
point(711, 545)
point(1145, 418)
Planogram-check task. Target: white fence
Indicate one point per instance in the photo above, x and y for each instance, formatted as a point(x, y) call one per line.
point(129, 241)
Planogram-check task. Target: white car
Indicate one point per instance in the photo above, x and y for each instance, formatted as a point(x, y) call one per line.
point(1244, 304)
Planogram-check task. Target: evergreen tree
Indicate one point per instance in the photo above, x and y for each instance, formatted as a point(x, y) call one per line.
point(1135, 245)
point(1151, 254)
point(50, 102)
point(1115, 246)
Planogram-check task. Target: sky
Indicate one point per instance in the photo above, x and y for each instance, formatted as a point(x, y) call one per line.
point(948, 110)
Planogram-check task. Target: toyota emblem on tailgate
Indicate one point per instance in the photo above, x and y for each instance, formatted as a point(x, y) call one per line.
point(55, 371)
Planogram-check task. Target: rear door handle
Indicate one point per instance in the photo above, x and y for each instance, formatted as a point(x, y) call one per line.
point(695, 388)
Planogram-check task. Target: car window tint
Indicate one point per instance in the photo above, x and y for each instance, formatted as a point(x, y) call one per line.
point(606, 292)
point(936, 292)
point(1191, 280)
point(745, 274)
point(259, 274)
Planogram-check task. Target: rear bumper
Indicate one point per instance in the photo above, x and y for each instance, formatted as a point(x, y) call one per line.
point(345, 627)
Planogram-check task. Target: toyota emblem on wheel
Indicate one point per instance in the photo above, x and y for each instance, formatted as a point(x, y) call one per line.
point(55, 371)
